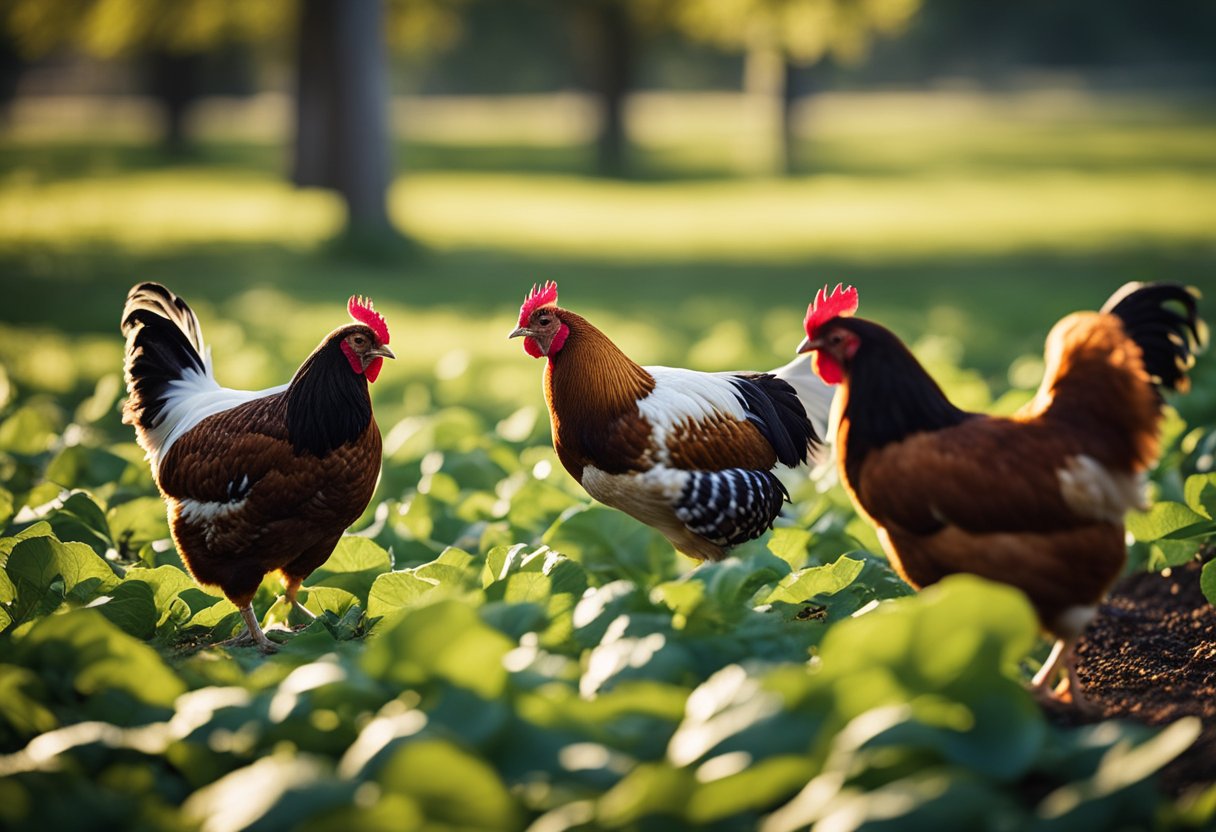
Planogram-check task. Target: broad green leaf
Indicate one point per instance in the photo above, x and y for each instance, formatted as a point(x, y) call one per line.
point(278, 792)
point(790, 544)
point(527, 587)
point(453, 569)
point(23, 713)
point(925, 800)
point(215, 612)
point(132, 606)
point(1207, 581)
point(445, 640)
point(137, 522)
point(1172, 553)
point(813, 581)
point(1122, 766)
point(455, 789)
point(609, 544)
point(101, 403)
point(741, 788)
point(650, 789)
point(28, 431)
point(535, 506)
point(960, 638)
point(1165, 519)
point(394, 591)
point(36, 562)
point(353, 566)
point(39, 529)
point(8, 591)
point(167, 583)
point(323, 599)
point(96, 656)
point(681, 597)
point(1200, 490)
point(601, 606)
point(76, 517)
point(6, 507)
point(82, 466)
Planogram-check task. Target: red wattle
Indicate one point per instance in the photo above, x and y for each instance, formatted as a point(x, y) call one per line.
point(373, 368)
point(532, 348)
point(827, 369)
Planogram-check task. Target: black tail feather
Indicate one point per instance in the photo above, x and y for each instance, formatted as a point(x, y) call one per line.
point(778, 413)
point(164, 341)
point(1163, 320)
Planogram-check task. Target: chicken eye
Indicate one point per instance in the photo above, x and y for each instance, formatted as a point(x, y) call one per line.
point(359, 340)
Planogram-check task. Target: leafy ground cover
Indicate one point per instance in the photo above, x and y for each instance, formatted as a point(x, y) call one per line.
point(492, 651)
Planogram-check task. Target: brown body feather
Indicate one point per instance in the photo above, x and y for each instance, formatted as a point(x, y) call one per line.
point(592, 390)
point(1036, 500)
point(606, 441)
point(296, 508)
point(255, 482)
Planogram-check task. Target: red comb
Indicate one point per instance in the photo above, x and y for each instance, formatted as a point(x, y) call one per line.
point(840, 304)
point(543, 296)
point(360, 308)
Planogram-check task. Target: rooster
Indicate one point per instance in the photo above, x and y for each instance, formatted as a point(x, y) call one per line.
point(1036, 500)
point(690, 454)
point(255, 481)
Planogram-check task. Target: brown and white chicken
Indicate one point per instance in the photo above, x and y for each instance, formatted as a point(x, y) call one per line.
point(255, 481)
point(1035, 500)
point(690, 454)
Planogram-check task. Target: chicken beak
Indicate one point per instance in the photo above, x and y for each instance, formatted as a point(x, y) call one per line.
point(809, 345)
point(520, 331)
point(381, 351)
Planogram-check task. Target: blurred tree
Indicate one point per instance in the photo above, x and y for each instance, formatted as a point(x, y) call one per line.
point(169, 40)
point(780, 36)
point(342, 136)
point(604, 32)
point(341, 139)
point(607, 35)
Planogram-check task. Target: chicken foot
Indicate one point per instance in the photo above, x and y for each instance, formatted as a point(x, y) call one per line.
point(293, 586)
point(1061, 660)
point(252, 635)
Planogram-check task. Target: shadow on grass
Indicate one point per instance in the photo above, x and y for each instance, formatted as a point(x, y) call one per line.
point(999, 307)
point(1175, 148)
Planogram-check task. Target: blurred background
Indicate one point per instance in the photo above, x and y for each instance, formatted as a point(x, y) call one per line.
point(690, 171)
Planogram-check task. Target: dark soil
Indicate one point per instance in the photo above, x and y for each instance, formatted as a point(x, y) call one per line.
point(1150, 655)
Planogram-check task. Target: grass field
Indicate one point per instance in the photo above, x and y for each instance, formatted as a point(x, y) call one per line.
point(563, 667)
point(978, 220)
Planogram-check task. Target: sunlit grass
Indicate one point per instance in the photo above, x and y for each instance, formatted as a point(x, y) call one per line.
point(874, 218)
point(971, 221)
point(142, 211)
point(870, 218)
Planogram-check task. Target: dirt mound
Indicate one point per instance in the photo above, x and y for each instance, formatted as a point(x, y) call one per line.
point(1151, 656)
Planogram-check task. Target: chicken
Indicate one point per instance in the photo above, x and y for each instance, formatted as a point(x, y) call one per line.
point(1036, 500)
point(255, 481)
point(690, 454)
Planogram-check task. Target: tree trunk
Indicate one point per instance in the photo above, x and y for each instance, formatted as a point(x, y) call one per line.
point(315, 70)
point(11, 67)
point(175, 81)
point(791, 92)
point(342, 140)
point(607, 35)
point(363, 168)
point(764, 77)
